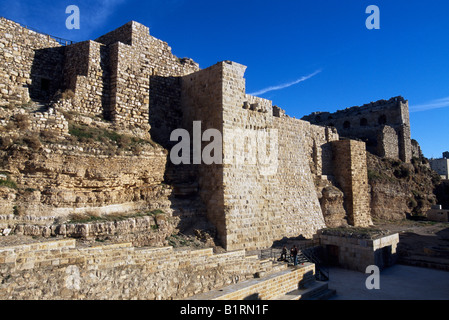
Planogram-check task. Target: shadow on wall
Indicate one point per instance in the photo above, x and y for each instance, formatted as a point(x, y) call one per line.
point(106, 79)
point(253, 297)
point(418, 245)
point(46, 74)
point(442, 193)
point(384, 257)
point(290, 241)
point(306, 279)
point(165, 113)
point(443, 234)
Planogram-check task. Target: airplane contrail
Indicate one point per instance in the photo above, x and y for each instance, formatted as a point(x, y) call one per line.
point(434, 104)
point(285, 85)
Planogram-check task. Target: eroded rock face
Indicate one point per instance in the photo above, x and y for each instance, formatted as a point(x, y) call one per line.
point(140, 231)
point(389, 200)
point(56, 182)
point(399, 189)
point(332, 205)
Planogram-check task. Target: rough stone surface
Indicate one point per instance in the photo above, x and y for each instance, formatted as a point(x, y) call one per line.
point(358, 254)
point(265, 179)
point(127, 81)
point(118, 271)
point(352, 176)
point(383, 125)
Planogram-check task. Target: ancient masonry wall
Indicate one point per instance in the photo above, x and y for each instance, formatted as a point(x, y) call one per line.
point(51, 120)
point(264, 190)
point(351, 173)
point(296, 193)
point(250, 210)
point(269, 289)
point(86, 74)
point(368, 123)
point(118, 271)
point(145, 84)
point(202, 101)
point(30, 64)
point(126, 76)
point(358, 254)
point(387, 146)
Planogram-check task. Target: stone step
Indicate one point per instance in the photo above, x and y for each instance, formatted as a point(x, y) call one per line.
point(267, 287)
point(316, 290)
point(39, 246)
point(425, 262)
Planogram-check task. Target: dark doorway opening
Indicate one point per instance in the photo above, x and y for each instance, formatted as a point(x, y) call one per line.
point(333, 255)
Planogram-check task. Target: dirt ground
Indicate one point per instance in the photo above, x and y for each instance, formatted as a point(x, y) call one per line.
point(419, 227)
point(421, 242)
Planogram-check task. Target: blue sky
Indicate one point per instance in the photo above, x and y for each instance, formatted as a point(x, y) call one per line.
point(311, 55)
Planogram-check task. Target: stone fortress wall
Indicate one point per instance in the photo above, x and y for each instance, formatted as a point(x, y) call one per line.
point(132, 80)
point(121, 271)
point(383, 125)
point(253, 202)
point(30, 64)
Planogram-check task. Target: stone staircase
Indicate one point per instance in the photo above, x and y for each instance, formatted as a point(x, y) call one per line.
point(124, 265)
point(296, 283)
point(316, 290)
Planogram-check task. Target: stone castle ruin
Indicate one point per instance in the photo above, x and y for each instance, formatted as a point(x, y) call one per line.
point(130, 81)
point(383, 125)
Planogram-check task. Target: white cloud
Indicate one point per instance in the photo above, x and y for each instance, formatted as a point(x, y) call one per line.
point(99, 12)
point(434, 104)
point(285, 85)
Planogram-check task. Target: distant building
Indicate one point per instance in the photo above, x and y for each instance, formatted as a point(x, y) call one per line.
point(446, 155)
point(441, 166)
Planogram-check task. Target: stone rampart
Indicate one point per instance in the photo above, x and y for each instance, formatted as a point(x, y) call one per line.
point(118, 271)
point(264, 189)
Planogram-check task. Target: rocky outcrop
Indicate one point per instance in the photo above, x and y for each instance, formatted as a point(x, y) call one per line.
point(57, 181)
point(332, 204)
point(144, 231)
point(390, 201)
point(400, 189)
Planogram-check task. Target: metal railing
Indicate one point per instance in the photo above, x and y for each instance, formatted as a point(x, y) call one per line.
point(306, 253)
point(321, 270)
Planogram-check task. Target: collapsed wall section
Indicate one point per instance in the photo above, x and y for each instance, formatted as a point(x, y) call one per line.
point(296, 192)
